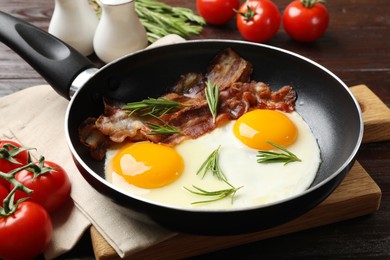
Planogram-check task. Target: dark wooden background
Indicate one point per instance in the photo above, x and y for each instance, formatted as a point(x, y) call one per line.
point(356, 47)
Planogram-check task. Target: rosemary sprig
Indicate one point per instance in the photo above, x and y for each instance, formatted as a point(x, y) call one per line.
point(212, 96)
point(160, 19)
point(274, 157)
point(155, 107)
point(152, 106)
point(212, 164)
point(164, 129)
point(218, 194)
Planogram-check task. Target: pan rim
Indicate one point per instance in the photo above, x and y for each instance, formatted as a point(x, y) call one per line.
point(344, 166)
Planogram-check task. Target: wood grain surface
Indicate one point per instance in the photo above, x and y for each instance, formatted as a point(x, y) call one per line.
point(376, 115)
point(356, 47)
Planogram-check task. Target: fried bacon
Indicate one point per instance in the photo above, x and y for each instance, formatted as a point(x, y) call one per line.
point(227, 68)
point(92, 138)
point(237, 96)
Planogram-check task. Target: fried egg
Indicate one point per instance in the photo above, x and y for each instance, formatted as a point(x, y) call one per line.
point(164, 175)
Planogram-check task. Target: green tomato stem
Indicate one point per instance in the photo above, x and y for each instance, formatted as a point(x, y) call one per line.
point(311, 3)
point(9, 206)
point(248, 15)
point(9, 151)
point(40, 168)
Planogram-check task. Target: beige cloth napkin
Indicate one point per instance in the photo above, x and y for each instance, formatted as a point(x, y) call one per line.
point(35, 118)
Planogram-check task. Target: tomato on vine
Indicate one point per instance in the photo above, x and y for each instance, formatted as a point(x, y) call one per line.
point(3, 194)
point(4, 183)
point(258, 20)
point(217, 12)
point(48, 180)
point(12, 155)
point(25, 227)
point(305, 20)
point(26, 232)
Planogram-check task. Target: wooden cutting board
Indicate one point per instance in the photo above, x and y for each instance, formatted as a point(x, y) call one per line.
point(357, 195)
point(376, 115)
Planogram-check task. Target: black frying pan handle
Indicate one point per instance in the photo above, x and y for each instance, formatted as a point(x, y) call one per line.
point(57, 62)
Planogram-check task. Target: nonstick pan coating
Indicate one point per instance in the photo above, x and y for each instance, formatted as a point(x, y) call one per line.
point(323, 101)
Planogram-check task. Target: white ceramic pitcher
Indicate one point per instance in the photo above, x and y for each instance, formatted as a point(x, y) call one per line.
point(74, 22)
point(119, 31)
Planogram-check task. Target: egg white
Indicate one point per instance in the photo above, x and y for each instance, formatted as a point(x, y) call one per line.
point(260, 183)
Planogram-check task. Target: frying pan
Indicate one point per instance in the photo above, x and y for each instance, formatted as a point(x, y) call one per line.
point(324, 102)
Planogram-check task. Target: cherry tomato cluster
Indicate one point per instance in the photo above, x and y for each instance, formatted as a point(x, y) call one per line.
point(259, 20)
point(29, 192)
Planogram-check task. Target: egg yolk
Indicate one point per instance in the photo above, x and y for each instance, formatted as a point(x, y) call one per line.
point(257, 127)
point(148, 165)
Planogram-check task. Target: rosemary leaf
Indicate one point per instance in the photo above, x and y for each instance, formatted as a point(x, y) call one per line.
point(274, 157)
point(212, 164)
point(164, 129)
point(212, 96)
point(218, 194)
point(152, 106)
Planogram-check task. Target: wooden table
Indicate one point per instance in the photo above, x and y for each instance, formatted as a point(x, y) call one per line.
point(356, 47)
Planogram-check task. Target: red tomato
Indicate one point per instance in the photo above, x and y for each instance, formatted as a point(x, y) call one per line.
point(217, 12)
point(26, 232)
point(3, 194)
point(4, 182)
point(305, 21)
point(51, 187)
point(12, 156)
point(258, 20)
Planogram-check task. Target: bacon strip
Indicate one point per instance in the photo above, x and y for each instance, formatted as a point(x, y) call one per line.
point(238, 95)
point(227, 68)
